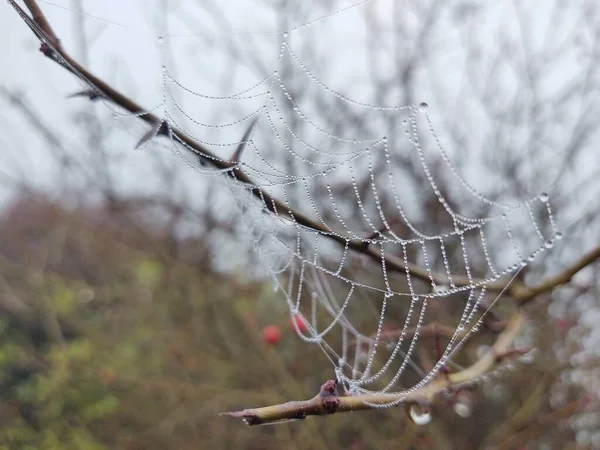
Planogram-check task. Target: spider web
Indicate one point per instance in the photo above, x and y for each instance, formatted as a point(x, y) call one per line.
point(311, 268)
point(352, 187)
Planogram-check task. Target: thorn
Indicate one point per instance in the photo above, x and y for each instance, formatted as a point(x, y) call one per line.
point(376, 234)
point(381, 230)
point(159, 128)
point(92, 94)
point(242, 145)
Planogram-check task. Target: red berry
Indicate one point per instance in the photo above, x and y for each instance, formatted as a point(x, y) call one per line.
point(299, 323)
point(271, 334)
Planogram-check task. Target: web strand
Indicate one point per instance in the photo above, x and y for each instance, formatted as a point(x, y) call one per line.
point(353, 186)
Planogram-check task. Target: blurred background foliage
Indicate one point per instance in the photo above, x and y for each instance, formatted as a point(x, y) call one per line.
point(112, 341)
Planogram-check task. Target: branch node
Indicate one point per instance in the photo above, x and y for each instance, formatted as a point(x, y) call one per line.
point(47, 50)
point(329, 396)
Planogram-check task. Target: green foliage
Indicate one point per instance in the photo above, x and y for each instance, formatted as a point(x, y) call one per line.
point(55, 406)
point(148, 272)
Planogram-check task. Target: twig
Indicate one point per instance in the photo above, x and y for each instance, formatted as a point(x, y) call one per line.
point(430, 330)
point(523, 294)
point(316, 407)
point(40, 19)
point(490, 323)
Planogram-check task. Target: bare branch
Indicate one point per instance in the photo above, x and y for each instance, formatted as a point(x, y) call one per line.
point(40, 19)
point(436, 329)
point(316, 406)
point(523, 294)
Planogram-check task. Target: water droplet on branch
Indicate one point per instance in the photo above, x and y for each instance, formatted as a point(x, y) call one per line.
point(419, 414)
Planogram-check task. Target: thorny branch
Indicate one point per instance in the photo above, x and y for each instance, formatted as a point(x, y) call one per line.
point(52, 48)
point(423, 396)
point(327, 401)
